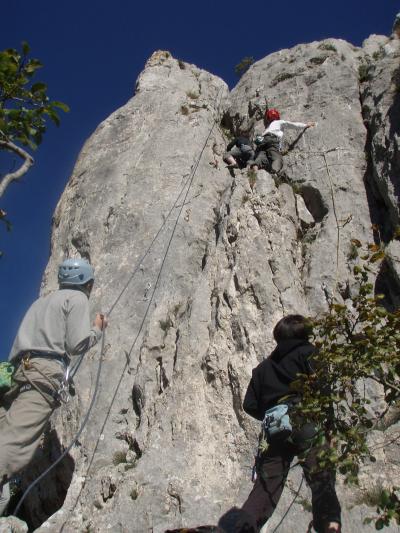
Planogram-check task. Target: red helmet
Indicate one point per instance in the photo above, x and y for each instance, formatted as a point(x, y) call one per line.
point(272, 114)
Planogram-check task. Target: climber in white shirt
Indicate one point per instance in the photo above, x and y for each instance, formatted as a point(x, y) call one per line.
point(268, 151)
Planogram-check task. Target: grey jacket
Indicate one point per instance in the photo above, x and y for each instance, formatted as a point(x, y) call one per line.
point(58, 323)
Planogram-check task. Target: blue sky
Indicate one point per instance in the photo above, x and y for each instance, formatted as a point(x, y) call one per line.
point(93, 51)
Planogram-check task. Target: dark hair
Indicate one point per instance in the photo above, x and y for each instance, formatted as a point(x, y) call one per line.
point(292, 327)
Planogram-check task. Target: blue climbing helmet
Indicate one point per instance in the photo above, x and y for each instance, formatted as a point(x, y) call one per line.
point(75, 272)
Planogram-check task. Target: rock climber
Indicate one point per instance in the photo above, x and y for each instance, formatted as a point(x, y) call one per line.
point(55, 328)
point(270, 383)
point(268, 145)
point(238, 152)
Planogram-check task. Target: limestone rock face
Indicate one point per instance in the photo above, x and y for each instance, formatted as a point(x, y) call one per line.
point(12, 524)
point(218, 259)
point(381, 107)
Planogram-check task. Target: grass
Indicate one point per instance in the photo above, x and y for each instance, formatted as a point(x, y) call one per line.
point(282, 77)
point(134, 493)
point(378, 54)
point(305, 503)
point(193, 95)
point(227, 133)
point(176, 309)
point(318, 60)
point(364, 72)
point(327, 46)
point(353, 252)
point(166, 324)
point(245, 198)
point(252, 177)
point(371, 496)
point(119, 458)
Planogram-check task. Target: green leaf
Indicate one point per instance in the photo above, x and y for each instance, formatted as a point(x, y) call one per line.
point(61, 106)
point(377, 256)
point(53, 115)
point(379, 524)
point(25, 48)
point(385, 498)
point(36, 87)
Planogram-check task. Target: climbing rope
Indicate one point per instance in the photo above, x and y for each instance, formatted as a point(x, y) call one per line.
point(290, 506)
point(80, 359)
point(137, 267)
point(190, 179)
point(188, 182)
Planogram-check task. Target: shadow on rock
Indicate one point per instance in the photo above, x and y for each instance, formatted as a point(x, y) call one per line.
point(233, 521)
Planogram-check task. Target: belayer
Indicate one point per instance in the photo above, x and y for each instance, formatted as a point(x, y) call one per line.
point(268, 393)
point(268, 145)
point(238, 152)
point(55, 329)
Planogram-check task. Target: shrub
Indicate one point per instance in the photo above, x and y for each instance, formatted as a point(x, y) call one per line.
point(252, 177)
point(119, 458)
point(364, 72)
point(356, 342)
point(378, 54)
point(244, 65)
point(134, 493)
point(192, 95)
point(318, 60)
point(282, 77)
point(327, 46)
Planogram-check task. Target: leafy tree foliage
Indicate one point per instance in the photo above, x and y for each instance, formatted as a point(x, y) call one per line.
point(388, 509)
point(25, 108)
point(357, 342)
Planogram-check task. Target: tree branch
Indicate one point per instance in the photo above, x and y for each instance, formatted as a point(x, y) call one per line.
point(23, 169)
point(385, 383)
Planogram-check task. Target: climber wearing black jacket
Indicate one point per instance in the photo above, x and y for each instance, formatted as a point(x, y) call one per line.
point(269, 386)
point(238, 152)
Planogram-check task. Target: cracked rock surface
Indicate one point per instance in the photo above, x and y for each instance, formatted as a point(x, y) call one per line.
point(168, 444)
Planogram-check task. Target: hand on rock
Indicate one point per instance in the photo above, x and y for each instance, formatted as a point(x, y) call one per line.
point(101, 321)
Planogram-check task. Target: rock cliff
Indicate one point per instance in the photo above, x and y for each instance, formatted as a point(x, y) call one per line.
point(167, 443)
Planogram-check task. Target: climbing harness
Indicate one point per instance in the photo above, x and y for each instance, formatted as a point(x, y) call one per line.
point(59, 392)
point(76, 437)
point(188, 183)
